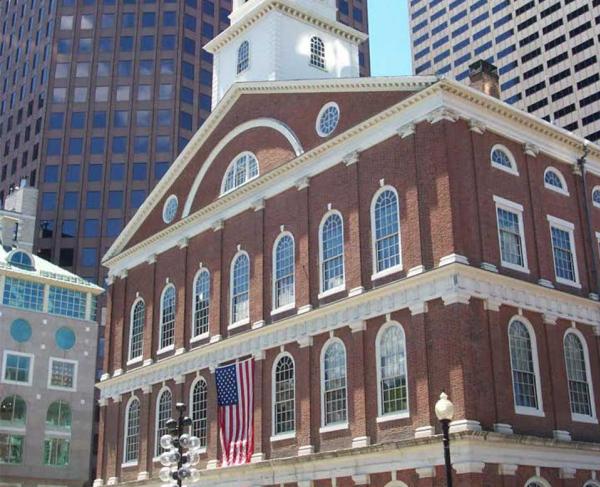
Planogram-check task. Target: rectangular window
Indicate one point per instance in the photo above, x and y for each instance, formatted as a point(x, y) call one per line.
point(65, 302)
point(511, 234)
point(11, 449)
point(17, 368)
point(23, 294)
point(56, 452)
point(563, 251)
point(62, 374)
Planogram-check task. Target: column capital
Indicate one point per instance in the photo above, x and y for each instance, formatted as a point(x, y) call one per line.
point(406, 130)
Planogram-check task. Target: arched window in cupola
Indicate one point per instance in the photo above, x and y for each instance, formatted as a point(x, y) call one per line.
point(243, 57)
point(317, 52)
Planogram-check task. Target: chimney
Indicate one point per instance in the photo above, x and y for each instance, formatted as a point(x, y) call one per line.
point(484, 77)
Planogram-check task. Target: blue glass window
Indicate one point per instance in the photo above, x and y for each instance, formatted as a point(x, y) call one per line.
point(139, 171)
point(20, 330)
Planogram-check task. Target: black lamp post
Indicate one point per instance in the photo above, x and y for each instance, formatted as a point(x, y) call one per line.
point(444, 410)
point(182, 451)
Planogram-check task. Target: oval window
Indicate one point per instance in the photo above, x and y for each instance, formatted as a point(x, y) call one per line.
point(20, 330)
point(170, 209)
point(328, 119)
point(65, 338)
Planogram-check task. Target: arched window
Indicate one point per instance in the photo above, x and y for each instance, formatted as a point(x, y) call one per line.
point(21, 259)
point(596, 196)
point(331, 240)
point(555, 181)
point(502, 159)
point(199, 401)
point(163, 414)
point(537, 482)
point(136, 330)
point(283, 272)
point(132, 431)
point(578, 376)
point(240, 286)
point(386, 230)
point(201, 303)
point(317, 52)
point(284, 395)
point(591, 483)
point(243, 169)
point(391, 370)
point(243, 57)
point(59, 415)
point(13, 410)
point(167, 317)
point(333, 383)
point(524, 364)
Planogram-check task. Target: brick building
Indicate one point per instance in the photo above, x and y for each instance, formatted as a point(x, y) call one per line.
point(370, 243)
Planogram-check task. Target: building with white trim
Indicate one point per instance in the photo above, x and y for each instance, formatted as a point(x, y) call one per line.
point(48, 344)
point(370, 242)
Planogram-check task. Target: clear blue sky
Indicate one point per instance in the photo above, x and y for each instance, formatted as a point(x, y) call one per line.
point(389, 37)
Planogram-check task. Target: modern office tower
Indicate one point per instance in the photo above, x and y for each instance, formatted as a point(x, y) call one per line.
point(546, 51)
point(48, 338)
point(97, 99)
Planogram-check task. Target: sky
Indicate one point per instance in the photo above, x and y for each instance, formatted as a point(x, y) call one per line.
point(389, 37)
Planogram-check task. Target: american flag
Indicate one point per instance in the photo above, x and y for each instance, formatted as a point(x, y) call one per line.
point(235, 396)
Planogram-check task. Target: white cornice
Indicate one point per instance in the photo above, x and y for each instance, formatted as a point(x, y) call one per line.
point(291, 10)
point(465, 102)
point(423, 453)
point(447, 281)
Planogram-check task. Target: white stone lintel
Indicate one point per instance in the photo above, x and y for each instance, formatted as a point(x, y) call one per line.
point(357, 326)
point(257, 457)
point(415, 271)
point(468, 467)
point(360, 441)
point(505, 429)
point(425, 472)
point(464, 425)
point(424, 431)
point(507, 469)
point(418, 308)
point(453, 259)
point(561, 435)
point(361, 479)
point(306, 450)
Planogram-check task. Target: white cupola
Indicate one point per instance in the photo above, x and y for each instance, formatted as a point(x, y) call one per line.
point(283, 40)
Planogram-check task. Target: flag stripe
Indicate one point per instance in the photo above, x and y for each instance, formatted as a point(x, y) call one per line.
point(236, 412)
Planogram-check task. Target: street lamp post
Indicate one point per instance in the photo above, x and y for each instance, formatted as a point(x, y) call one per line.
point(182, 451)
point(444, 410)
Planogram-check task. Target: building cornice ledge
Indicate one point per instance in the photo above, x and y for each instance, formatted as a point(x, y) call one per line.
point(450, 280)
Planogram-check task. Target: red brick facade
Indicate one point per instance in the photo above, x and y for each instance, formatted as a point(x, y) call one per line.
point(456, 339)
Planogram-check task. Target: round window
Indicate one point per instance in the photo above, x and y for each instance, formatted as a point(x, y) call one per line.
point(65, 338)
point(328, 119)
point(170, 209)
point(20, 330)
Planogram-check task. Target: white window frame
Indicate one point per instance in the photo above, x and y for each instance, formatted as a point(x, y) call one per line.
point(588, 373)
point(231, 167)
point(326, 107)
point(156, 412)
point(322, 57)
point(517, 208)
point(524, 410)
point(341, 287)
point(51, 360)
point(246, 320)
point(594, 189)
point(543, 482)
point(195, 338)
point(198, 379)
point(239, 71)
point(326, 428)
point(135, 360)
point(168, 348)
point(131, 463)
point(166, 205)
point(591, 483)
point(564, 190)
point(381, 417)
point(398, 267)
point(21, 354)
point(568, 227)
point(289, 434)
point(291, 305)
point(510, 170)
